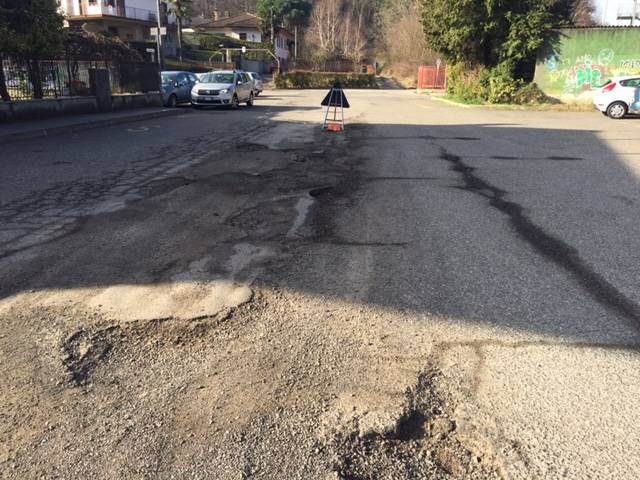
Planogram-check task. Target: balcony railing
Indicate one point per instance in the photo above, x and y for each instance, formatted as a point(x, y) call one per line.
point(124, 12)
point(629, 10)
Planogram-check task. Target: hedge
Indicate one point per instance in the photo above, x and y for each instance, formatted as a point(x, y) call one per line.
point(292, 80)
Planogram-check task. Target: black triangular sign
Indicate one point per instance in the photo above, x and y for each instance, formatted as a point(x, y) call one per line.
point(336, 97)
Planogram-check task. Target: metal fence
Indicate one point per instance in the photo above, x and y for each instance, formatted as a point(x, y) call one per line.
point(31, 79)
point(432, 77)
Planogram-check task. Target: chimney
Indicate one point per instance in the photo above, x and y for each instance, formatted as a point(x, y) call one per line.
point(226, 14)
point(216, 14)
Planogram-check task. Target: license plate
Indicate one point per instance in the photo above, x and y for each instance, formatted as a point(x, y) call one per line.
point(208, 99)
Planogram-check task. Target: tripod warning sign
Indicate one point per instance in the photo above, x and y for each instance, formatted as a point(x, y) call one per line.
point(335, 101)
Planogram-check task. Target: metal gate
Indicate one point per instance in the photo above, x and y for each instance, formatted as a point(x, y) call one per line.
point(432, 77)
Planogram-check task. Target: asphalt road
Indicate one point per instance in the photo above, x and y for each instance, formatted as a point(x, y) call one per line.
point(437, 292)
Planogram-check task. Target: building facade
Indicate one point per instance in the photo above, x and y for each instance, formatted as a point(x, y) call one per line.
point(129, 20)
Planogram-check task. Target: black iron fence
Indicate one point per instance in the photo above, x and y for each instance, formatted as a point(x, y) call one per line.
point(22, 79)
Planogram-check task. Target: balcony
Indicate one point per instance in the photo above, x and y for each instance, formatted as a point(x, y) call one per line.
point(131, 13)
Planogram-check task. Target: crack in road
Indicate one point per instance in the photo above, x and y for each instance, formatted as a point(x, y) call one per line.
point(549, 246)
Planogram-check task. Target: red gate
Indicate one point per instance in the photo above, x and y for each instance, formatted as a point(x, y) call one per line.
point(432, 77)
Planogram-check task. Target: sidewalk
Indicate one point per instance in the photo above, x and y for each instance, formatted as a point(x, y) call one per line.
point(11, 132)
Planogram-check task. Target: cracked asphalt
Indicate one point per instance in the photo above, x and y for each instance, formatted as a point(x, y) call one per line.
point(434, 293)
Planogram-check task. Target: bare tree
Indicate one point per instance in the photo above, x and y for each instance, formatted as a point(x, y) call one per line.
point(582, 13)
point(338, 30)
point(403, 39)
point(353, 40)
point(322, 37)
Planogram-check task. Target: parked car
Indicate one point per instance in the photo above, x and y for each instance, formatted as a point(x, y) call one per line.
point(619, 96)
point(224, 87)
point(176, 87)
point(257, 83)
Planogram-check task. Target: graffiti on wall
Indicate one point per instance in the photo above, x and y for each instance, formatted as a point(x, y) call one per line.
point(586, 72)
point(586, 58)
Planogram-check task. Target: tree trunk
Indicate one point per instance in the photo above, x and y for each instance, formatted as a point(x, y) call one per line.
point(4, 92)
point(35, 78)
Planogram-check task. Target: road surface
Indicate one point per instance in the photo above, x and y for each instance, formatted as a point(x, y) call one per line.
point(437, 292)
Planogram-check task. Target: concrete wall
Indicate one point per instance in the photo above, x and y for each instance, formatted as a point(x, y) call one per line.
point(56, 107)
point(585, 59)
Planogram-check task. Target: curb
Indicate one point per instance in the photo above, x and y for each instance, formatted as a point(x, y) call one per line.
point(457, 104)
point(52, 131)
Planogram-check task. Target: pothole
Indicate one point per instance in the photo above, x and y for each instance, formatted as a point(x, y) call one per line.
point(251, 147)
point(84, 352)
point(321, 192)
point(423, 445)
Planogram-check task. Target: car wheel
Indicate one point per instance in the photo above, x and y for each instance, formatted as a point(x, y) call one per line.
point(250, 101)
point(172, 102)
point(234, 103)
point(617, 110)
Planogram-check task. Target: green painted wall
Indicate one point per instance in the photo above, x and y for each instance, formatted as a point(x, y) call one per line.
point(586, 58)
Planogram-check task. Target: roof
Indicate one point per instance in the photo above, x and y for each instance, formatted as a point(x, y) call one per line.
point(244, 20)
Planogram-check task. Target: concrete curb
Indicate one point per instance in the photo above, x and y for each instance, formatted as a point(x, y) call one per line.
point(52, 131)
point(457, 104)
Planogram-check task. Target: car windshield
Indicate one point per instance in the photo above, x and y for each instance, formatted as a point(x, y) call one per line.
point(168, 78)
point(218, 78)
point(255, 76)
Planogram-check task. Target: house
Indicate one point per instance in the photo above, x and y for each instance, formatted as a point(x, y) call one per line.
point(129, 20)
point(247, 26)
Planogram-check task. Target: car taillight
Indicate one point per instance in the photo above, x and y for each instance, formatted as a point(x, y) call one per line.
point(608, 88)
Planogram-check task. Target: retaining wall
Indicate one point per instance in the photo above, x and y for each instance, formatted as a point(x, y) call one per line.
point(56, 107)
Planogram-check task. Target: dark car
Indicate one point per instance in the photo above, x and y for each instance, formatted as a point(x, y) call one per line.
point(176, 87)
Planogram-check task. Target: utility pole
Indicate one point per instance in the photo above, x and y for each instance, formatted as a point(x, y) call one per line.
point(295, 43)
point(159, 35)
point(634, 12)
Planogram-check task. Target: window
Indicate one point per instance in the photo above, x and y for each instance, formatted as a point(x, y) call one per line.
point(218, 78)
point(182, 79)
point(243, 36)
point(168, 78)
point(193, 78)
point(633, 82)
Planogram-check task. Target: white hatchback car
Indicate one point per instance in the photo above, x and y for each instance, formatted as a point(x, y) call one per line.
point(619, 96)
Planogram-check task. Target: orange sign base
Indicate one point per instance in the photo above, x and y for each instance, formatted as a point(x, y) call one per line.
point(334, 127)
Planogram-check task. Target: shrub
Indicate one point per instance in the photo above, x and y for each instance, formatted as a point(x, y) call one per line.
point(479, 85)
point(530, 94)
point(297, 79)
point(467, 84)
point(502, 86)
